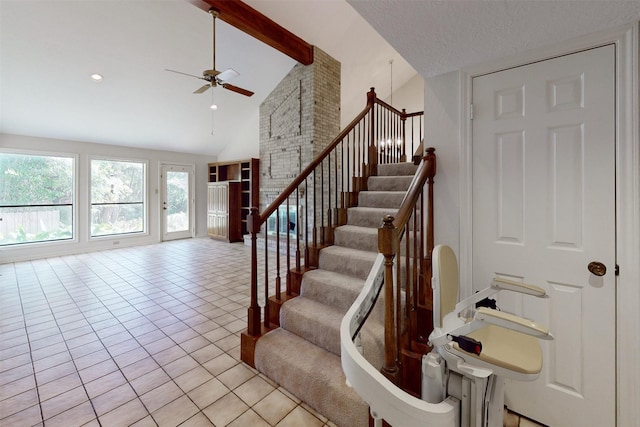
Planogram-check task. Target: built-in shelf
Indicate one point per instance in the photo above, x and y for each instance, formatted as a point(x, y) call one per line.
point(240, 197)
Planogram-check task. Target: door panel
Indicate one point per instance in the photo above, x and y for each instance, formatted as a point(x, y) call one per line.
point(176, 202)
point(543, 209)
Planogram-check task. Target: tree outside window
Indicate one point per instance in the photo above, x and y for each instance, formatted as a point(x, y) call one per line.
point(36, 198)
point(117, 197)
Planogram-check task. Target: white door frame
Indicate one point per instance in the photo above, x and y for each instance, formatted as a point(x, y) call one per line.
point(627, 196)
point(192, 200)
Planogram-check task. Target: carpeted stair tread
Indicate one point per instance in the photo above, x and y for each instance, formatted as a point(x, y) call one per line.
point(313, 375)
point(368, 217)
point(320, 325)
point(389, 183)
point(357, 237)
point(352, 262)
point(395, 169)
point(328, 287)
point(381, 199)
point(315, 322)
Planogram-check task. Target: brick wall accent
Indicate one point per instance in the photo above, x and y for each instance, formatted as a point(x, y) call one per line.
point(298, 120)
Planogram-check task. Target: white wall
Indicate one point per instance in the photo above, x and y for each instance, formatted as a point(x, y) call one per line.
point(442, 131)
point(84, 151)
point(250, 137)
point(409, 96)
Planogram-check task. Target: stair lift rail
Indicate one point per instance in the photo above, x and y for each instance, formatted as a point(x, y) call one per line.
point(401, 273)
point(386, 400)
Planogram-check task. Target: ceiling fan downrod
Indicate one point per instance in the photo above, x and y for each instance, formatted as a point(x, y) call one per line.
point(213, 73)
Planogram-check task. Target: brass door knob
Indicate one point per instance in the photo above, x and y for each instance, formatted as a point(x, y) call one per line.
point(597, 268)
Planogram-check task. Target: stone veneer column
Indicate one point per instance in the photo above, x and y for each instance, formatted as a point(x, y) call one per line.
point(298, 120)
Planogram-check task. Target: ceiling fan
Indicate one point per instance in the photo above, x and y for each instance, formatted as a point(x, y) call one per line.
point(213, 76)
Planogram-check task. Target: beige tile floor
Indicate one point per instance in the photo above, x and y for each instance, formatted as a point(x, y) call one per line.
point(144, 336)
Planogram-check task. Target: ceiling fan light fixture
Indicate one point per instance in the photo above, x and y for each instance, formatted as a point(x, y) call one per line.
point(96, 77)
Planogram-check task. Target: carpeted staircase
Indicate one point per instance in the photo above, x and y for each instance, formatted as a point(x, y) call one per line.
point(303, 354)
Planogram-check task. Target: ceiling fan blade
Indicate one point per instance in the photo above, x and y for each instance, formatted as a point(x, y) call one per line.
point(237, 89)
point(227, 75)
point(180, 72)
point(202, 89)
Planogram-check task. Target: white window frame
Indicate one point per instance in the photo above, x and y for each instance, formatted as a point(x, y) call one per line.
point(145, 213)
point(74, 192)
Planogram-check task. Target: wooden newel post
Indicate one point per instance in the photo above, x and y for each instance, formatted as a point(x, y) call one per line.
point(430, 158)
point(253, 315)
point(387, 245)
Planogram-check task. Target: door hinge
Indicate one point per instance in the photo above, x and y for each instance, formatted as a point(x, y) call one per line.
point(471, 111)
point(617, 270)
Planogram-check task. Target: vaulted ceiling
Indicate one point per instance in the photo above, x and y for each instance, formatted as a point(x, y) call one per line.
point(49, 49)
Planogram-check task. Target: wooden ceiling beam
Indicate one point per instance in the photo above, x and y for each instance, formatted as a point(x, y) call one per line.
point(252, 22)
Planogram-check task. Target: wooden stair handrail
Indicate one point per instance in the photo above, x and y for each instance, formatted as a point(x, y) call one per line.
point(426, 171)
point(390, 234)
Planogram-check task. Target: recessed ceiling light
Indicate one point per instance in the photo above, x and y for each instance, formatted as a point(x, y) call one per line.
point(96, 77)
point(214, 106)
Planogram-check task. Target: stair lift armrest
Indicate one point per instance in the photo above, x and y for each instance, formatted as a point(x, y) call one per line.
point(453, 326)
point(471, 301)
point(499, 284)
point(487, 316)
point(523, 288)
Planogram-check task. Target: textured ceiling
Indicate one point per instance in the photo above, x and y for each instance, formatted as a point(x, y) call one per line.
point(437, 36)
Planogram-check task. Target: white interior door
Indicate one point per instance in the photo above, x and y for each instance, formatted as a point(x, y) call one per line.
point(543, 209)
point(177, 202)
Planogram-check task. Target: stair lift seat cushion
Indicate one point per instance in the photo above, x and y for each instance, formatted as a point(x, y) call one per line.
point(507, 349)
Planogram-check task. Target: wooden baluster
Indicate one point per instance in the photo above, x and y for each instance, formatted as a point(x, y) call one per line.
point(253, 313)
point(417, 255)
point(345, 171)
point(299, 226)
point(278, 285)
point(306, 222)
point(403, 131)
point(335, 177)
point(387, 247)
point(288, 277)
point(266, 278)
point(372, 155)
point(315, 221)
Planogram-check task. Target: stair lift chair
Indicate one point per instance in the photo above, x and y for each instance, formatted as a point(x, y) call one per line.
point(472, 357)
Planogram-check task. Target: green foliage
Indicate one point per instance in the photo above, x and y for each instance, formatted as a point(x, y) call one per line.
point(35, 180)
point(116, 181)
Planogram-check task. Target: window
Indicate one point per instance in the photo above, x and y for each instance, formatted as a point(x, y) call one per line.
point(36, 198)
point(117, 197)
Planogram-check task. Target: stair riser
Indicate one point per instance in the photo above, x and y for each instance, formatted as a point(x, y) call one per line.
point(395, 169)
point(381, 199)
point(364, 241)
point(389, 183)
point(368, 217)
